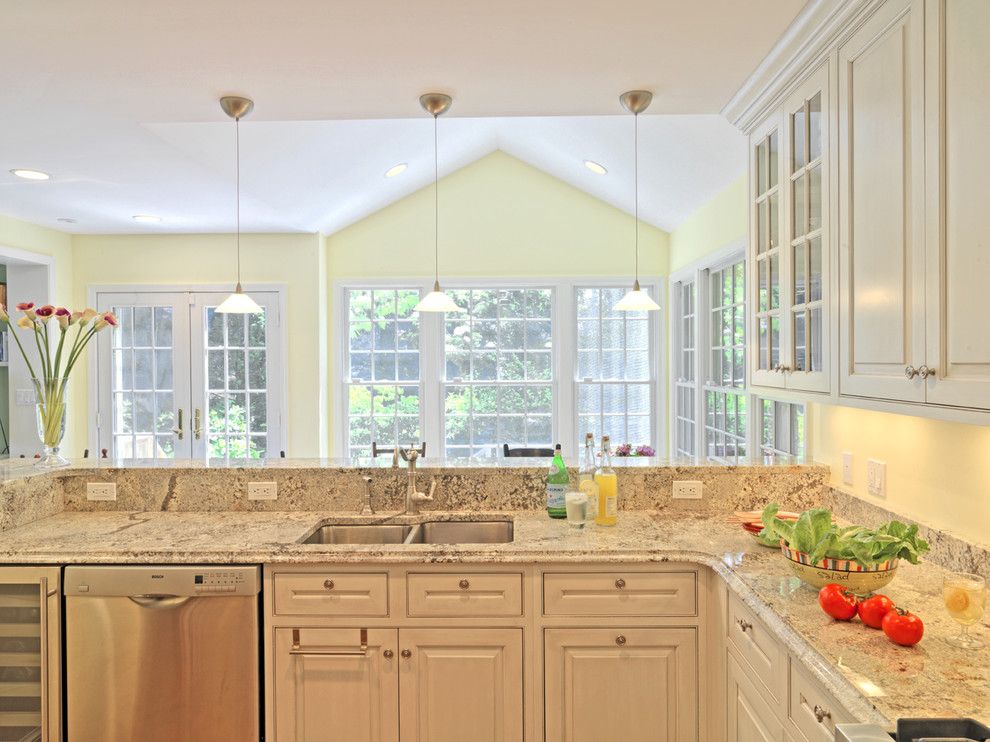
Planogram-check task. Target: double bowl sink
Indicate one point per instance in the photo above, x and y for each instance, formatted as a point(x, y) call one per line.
point(431, 532)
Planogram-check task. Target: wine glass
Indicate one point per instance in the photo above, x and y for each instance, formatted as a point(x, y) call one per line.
point(965, 599)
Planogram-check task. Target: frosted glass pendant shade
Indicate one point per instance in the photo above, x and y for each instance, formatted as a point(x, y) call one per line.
point(636, 300)
point(437, 301)
point(239, 303)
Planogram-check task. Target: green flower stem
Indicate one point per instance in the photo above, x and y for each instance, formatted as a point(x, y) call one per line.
point(21, 348)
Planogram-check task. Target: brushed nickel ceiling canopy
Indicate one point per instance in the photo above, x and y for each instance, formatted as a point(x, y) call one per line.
point(636, 101)
point(435, 104)
point(236, 107)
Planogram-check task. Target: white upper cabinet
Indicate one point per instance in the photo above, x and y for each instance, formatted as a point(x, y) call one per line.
point(957, 109)
point(881, 206)
point(789, 242)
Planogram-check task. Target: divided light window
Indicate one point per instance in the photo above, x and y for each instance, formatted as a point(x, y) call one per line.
point(782, 429)
point(685, 375)
point(498, 371)
point(725, 396)
point(383, 387)
point(615, 370)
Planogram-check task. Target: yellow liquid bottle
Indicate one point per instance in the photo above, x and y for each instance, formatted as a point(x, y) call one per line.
point(608, 489)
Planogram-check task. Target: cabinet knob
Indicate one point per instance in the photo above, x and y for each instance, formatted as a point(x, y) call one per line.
point(620, 640)
point(328, 584)
point(744, 626)
point(620, 583)
point(910, 372)
point(821, 714)
point(406, 654)
point(924, 372)
point(388, 654)
point(464, 584)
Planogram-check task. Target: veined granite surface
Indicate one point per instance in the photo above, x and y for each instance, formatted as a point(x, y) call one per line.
point(874, 680)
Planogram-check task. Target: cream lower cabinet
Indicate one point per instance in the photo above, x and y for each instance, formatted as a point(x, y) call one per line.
point(749, 718)
point(629, 684)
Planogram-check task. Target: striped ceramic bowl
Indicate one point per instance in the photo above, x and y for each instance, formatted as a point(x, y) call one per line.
point(859, 579)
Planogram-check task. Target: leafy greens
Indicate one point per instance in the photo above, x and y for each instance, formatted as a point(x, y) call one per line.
point(816, 534)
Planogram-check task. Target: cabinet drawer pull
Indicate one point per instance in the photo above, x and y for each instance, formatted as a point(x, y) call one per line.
point(821, 714)
point(924, 372)
point(406, 654)
point(744, 626)
point(910, 372)
point(620, 640)
point(464, 584)
point(300, 651)
point(328, 584)
point(620, 583)
point(388, 654)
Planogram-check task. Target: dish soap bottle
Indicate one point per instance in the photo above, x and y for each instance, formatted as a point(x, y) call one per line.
point(586, 477)
point(608, 488)
point(558, 481)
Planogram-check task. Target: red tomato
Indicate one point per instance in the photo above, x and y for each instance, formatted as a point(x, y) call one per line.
point(872, 610)
point(903, 628)
point(837, 602)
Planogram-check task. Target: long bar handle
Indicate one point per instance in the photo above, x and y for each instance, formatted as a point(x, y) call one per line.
point(45, 640)
point(301, 651)
point(179, 432)
point(197, 425)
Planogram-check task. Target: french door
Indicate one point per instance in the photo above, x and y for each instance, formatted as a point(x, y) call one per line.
point(180, 380)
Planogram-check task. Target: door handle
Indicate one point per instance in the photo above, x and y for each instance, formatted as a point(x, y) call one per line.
point(197, 425)
point(179, 433)
point(159, 602)
point(300, 651)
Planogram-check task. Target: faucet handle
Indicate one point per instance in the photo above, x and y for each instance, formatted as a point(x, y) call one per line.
point(433, 488)
point(368, 509)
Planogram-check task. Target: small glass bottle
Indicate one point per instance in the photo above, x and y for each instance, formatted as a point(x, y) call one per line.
point(608, 488)
point(558, 482)
point(586, 477)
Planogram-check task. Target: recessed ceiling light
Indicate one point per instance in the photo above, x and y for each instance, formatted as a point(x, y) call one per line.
point(30, 174)
point(396, 170)
point(146, 218)
point(595, 167)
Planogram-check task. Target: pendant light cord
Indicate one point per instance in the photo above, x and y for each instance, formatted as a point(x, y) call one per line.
point(636, 187)
point(237, 156)
point(436, 200)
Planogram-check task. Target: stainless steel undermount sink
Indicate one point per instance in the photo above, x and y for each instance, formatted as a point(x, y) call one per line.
point(462, 532)
point(431, 532)
point(358, 533)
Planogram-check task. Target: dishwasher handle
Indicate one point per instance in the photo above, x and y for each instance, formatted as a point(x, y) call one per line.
point(159, 602)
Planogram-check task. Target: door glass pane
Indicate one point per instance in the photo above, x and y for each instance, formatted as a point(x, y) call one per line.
point(142, 373)
point(799, 273)
point(761, 167)
point(815, 198)
point(815, 281)
point(798, 133)
point(799, 341)
point(774, 281)
point(773, 226)
point(799, 217)
point(815, 126)
point(772, 172)
point(236, 419)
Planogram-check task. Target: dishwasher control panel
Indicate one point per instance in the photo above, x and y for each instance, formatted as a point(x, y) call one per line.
point(153, 581)
point(216, 581)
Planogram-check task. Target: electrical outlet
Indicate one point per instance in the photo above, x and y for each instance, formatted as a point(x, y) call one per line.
point(687, 490)
point(876, 478)
point(101, 491)
point(262, 491)
point(847, 467)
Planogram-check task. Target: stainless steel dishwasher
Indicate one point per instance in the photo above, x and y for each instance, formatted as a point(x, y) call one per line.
point(162, 654)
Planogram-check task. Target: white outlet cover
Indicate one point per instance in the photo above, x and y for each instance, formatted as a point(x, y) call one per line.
point(262, 491)
point(847, 467)
point(876, 478)
point(105, 491)
point(688, 489)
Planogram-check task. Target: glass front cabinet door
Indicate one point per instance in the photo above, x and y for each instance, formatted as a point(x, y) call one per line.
point(789, 242)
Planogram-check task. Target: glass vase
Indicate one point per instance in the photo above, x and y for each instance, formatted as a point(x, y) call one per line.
point(50, 409)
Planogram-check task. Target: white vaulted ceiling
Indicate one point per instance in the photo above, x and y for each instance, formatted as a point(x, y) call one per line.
point(117, 99)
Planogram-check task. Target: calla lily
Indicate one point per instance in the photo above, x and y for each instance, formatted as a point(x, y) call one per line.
point(108, 319)
point(27, 307)
point(45, 313)
point(26, 322)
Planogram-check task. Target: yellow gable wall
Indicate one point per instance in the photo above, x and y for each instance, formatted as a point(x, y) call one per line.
point(937, 472)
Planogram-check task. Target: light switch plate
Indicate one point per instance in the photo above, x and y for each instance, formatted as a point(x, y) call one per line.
point(101, 491)
point(876, 478)
point(688, 489)
point(262, 491)
point(847, 467)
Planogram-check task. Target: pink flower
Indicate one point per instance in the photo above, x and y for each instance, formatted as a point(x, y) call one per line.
point(64, 317)
point(624, 449)
point(27, 307)
point(645, 451)
point(107, 319)
point(45, 312)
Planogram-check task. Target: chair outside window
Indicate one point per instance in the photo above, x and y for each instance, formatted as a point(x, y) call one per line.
point(533, 453)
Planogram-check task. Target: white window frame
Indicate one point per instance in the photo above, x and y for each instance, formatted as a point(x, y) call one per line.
point(99, 435)
point(432, 369)
point(698, 273)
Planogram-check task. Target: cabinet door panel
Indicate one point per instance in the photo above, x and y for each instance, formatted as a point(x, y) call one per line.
point(749, 716)
point(461, 684)
point(957, 68)
point(336, 698)
point(881, 209)
point(640, 688)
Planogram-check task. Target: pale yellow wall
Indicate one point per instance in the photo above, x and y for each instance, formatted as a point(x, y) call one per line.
point(721, 221)
point(498, 217)
point(187, 260)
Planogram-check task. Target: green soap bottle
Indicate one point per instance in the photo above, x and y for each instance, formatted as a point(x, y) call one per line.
point(558, 480)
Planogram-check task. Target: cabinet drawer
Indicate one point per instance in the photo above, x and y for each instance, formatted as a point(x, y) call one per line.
point(331, 594)
point(464, 595)
point(810, 708)
point(759, 648)
point(620, 594)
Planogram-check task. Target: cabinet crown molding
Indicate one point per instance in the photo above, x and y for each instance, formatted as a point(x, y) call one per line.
point(810, 37)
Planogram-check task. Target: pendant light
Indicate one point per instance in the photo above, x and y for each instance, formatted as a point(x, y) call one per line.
point(238, 302)
point(436, 104)
point(637, 300)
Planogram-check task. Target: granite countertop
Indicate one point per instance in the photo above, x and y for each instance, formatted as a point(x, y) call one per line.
point(875, 680)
